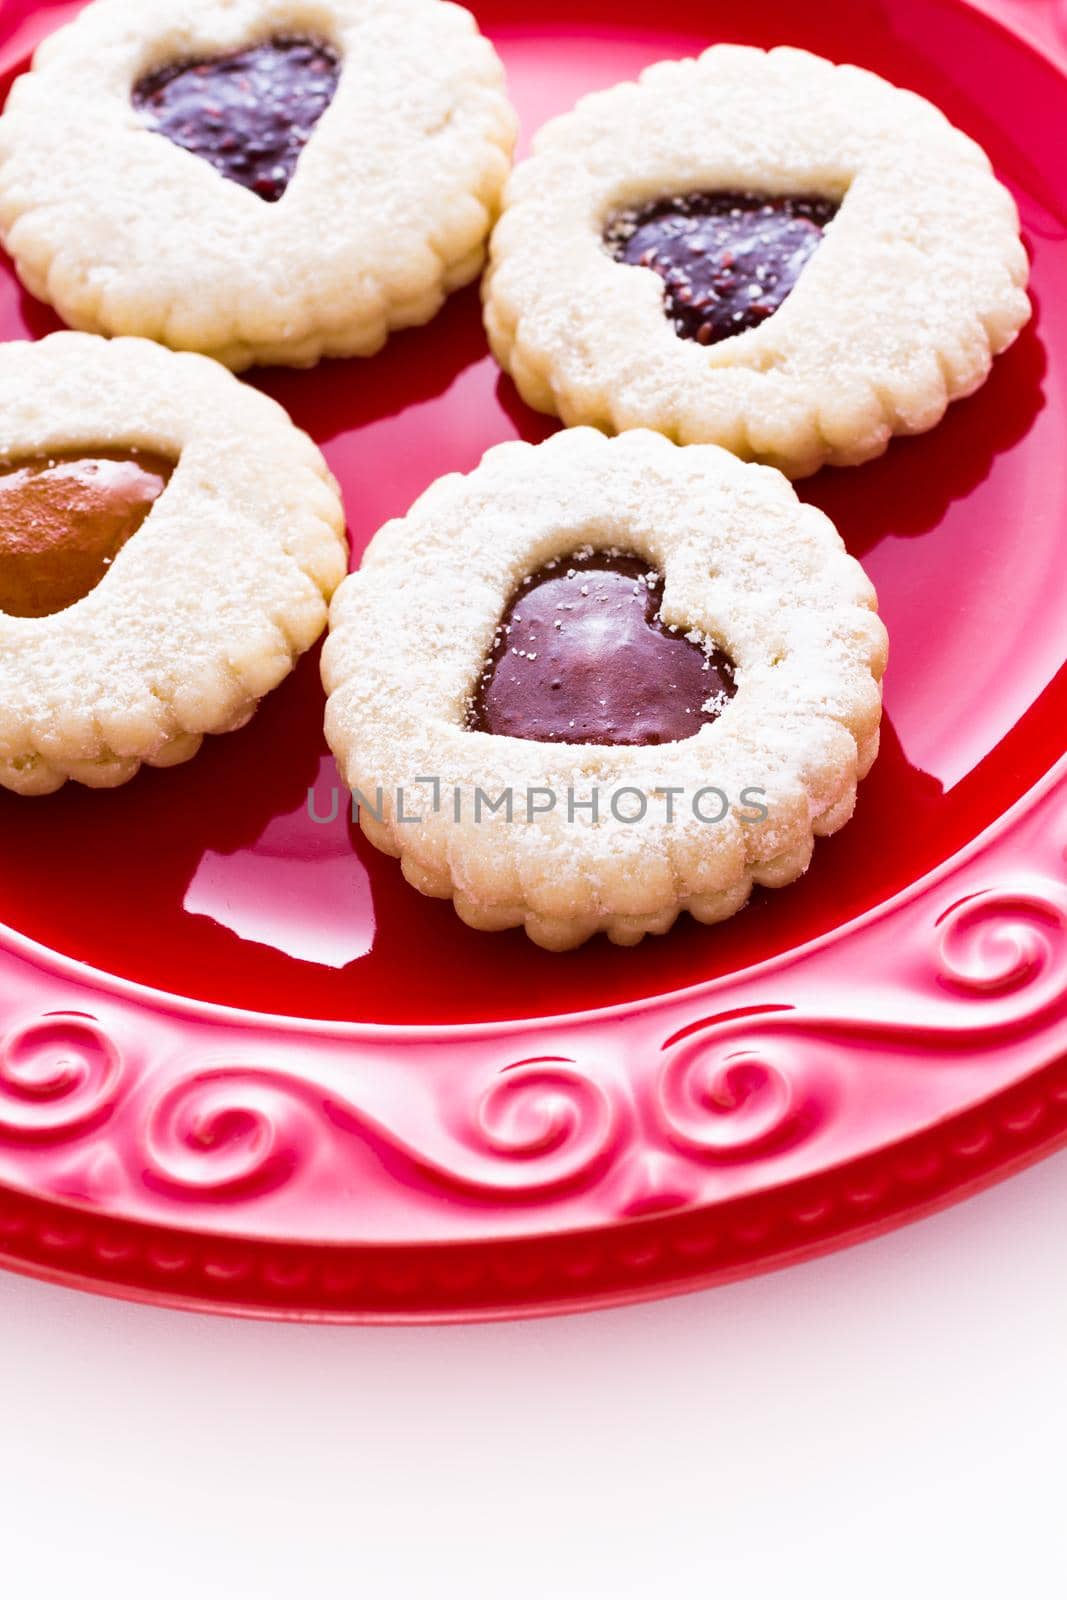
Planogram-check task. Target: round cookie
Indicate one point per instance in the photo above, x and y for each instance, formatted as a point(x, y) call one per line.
point(688, 693)
point(168, 544)
point(760, 250)
point(260, 181)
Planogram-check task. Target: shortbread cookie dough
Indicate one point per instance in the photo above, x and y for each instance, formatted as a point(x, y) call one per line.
point(257, 180)
point(168, 544)
point(600, 681)
point(761, 250)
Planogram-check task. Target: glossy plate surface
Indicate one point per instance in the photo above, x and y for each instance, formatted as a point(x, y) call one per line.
point(243, 1065)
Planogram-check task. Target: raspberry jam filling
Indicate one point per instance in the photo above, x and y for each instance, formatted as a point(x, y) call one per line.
point(582, 657)
point(63, 520)
point(249, 114)
point(727, 261)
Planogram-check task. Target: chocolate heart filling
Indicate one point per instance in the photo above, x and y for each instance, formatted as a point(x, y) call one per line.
point(249, 114)
point(64, 519)
point(727, 261)
point(581, 656)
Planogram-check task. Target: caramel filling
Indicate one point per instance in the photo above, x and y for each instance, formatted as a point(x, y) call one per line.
point(64, 519)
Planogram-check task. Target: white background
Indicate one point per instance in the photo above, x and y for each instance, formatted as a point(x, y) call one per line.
point(889, 1420)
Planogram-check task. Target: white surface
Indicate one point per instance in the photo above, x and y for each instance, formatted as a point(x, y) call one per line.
point(890, 1420)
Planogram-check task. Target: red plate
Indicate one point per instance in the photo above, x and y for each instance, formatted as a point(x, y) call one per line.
point(470, 1126)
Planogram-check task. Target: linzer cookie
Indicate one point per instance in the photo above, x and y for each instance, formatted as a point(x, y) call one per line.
point(600, 681)
point(761, 250)
point(256, 180)
point(168, 544)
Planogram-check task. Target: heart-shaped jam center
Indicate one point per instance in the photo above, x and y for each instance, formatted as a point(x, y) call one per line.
point(727, 261)
point(582, 657)
point(249, 114)
point(64, 519)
